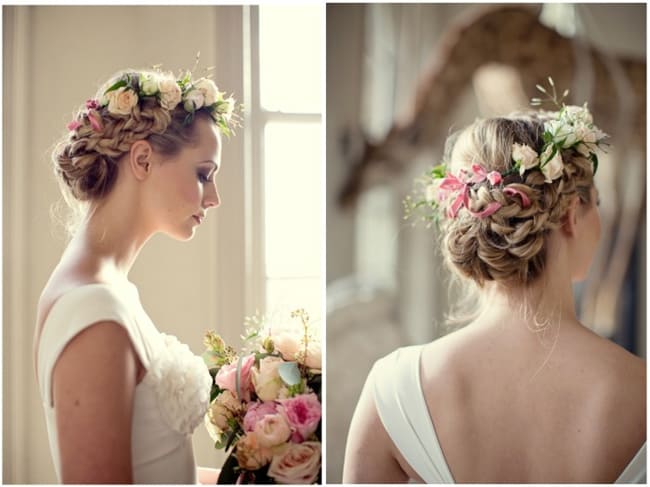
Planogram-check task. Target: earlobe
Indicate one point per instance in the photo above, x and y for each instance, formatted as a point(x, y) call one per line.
point(140, 157)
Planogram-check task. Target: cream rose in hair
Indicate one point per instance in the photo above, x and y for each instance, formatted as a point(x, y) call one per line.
point(552, 169)
point(208, 89)
point(170, 93)
point(525, 156)
point(121, 101)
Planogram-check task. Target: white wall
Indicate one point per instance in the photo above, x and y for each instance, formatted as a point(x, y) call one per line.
point(55, 58)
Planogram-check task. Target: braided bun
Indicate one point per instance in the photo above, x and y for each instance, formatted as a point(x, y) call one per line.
point(509, 245)
point(86, 159)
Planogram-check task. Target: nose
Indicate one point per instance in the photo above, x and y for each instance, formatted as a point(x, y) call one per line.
point(211, 198)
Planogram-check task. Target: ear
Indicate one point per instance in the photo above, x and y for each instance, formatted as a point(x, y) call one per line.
point(140, 159)
point(570, 219)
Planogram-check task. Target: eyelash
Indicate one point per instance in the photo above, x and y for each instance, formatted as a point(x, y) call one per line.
point(204, 178)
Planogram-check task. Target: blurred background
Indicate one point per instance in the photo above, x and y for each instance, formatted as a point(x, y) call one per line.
point(261, 250)
point(400, 78)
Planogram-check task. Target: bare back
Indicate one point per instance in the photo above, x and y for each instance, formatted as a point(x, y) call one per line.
point(544, 410)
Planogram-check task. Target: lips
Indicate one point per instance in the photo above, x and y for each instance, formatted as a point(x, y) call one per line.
point(198, 218)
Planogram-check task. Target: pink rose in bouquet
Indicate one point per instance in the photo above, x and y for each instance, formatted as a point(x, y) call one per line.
point(226, 378)
point(299, 463)
point(272, 430)
point(303, 414)
point(256, 411)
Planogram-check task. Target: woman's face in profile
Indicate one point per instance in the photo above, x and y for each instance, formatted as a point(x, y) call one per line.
point(589, 235)
point(184, 186)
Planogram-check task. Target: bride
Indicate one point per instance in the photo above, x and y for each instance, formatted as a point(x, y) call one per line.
point(121, 399)
point(524, 393)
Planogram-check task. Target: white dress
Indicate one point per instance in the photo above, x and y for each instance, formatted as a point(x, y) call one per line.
point(403, 411)
point(169, 402)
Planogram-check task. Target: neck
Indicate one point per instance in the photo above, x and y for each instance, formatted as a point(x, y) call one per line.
point(547, 300)
point(109, 239)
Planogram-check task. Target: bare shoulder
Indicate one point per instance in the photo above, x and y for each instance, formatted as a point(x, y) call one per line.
point(92, 449)
point(369, 451)
point(618, 367)
point(444, 357)
point(624, 378)
point(109, 333)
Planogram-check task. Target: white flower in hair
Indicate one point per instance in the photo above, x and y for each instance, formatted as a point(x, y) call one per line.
point(226, 107)
point(431, 192)
point(551, 168)
point(562, 132)
point(193, 100)
point(575, 114)
point(149, 84)
point(525, 156)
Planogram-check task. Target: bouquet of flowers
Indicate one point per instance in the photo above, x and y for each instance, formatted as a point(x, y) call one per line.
point(265, 403)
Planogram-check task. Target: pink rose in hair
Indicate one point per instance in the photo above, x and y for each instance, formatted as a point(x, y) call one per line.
point(256, 411)
point(92, 104)
point(227, 377)
point(303, 414)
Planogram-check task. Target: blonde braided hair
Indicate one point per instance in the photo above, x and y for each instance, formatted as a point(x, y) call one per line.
point(85, 160)
point(509, 246)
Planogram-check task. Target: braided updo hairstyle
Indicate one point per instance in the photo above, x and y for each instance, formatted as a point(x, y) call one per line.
point(86, 159)
point(510, 245)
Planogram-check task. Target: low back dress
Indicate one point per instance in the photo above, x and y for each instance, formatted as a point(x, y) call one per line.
point(400, 403)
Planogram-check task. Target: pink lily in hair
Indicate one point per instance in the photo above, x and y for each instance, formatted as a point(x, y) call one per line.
point(74, 125)
point(487, 211)
point(480, 175)
point(525, 201)
point(94, 123)
point(452, 185)
point(494, 178)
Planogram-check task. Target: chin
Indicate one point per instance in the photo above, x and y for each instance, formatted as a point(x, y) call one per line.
point(181, 235)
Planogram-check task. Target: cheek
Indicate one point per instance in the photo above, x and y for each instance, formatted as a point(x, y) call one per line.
point(190, 192)
point(182, 189)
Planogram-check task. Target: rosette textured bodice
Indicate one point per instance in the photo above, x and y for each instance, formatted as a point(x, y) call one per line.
point(169, 402)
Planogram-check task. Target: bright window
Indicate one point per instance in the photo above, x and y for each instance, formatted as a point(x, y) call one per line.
point(289, 146)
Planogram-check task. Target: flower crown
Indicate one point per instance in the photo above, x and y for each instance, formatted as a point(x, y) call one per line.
point(168, 91)
point(572, 128)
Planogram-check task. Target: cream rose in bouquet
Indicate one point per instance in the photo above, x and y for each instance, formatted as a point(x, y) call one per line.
point(265, 402)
